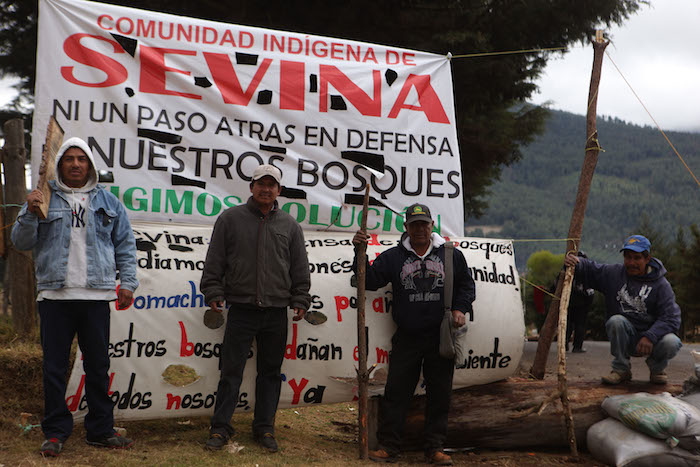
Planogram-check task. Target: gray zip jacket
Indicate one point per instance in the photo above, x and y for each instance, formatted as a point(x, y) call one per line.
point(257, 259)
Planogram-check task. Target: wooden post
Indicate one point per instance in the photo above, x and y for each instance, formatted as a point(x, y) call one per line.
point(576, 225)
point(20, 263)
point(362, 373)
point(3, 237)
point(3, 243)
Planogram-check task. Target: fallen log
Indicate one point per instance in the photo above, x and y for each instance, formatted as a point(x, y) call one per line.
point(495, 415)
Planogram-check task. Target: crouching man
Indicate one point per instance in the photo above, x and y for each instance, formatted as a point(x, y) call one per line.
point(642, 314)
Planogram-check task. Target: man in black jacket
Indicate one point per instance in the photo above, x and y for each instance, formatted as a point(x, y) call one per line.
point(416, 270)
point(257, 263)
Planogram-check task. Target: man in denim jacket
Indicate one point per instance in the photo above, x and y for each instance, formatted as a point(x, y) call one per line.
point(78, 249)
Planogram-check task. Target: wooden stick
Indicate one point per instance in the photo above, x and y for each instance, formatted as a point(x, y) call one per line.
point(47, 170)
point(576, 226)
point(362, 373)
point(563, 386)
point(534, 407)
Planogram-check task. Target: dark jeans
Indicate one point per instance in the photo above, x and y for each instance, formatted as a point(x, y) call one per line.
point(60, 321)
point(408, 354)
point(576, 325)
point(269, 328)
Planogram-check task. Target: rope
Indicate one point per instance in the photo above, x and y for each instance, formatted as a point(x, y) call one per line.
point(546, 240)
point(653, 120)
point(539, 287)
point(509, 52)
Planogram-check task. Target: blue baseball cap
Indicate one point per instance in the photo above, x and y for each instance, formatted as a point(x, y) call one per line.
point(637, 243)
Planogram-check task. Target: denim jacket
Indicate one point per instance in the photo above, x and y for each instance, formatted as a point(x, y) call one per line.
point(110, 241)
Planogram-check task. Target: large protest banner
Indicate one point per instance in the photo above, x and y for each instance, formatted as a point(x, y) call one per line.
point(181, 111)
point(164, 327)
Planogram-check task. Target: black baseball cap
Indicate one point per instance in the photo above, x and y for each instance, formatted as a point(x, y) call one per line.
point(418, 212)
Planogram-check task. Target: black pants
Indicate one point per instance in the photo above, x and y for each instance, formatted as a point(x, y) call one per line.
point(269, 328)
point(60, 321)
point(408, 354)
point(576, 325)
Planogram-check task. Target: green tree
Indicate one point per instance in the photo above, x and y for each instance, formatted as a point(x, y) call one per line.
point(492, 120)
point(684, 276)
point(542, 270)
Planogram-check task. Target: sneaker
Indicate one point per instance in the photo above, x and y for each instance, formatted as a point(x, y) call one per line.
point(616, 377)
point(216, 441)
point(114, 441)
point(267, 440)
point(439, 458)
point(51, 447)
point(380, 455)
point(658, 378)
point(579, 350)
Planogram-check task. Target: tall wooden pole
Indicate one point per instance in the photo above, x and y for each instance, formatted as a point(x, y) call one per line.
point(362, 373)
point(576, 226)
point(20, 263)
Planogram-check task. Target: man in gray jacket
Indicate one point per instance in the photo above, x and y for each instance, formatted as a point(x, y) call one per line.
point(257, 263)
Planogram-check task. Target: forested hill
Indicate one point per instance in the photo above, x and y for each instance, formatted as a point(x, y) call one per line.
point(637, 175)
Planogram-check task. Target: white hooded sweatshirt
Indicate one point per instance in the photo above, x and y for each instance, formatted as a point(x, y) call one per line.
point(75, 287)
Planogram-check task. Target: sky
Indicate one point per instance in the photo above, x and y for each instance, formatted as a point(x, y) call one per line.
point(658, 53)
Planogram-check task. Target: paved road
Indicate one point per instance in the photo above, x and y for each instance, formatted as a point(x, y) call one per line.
point(596, 362)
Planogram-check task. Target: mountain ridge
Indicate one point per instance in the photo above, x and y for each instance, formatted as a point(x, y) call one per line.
point(638, 179)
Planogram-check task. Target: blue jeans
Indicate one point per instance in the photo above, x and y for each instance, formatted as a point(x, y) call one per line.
point(60, 321)
point(623, 344)
point(268, 326)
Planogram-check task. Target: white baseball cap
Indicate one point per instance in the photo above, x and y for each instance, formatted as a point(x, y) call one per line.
point(268, 170)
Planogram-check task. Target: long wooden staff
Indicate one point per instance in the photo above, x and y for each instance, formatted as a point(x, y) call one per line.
point(362, 373)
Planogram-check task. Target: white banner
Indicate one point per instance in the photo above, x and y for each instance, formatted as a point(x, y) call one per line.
point(164, 327)
point(182, 110)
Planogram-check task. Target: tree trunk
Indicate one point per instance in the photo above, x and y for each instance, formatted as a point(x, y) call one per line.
point(20, 263)
point(491, 415)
